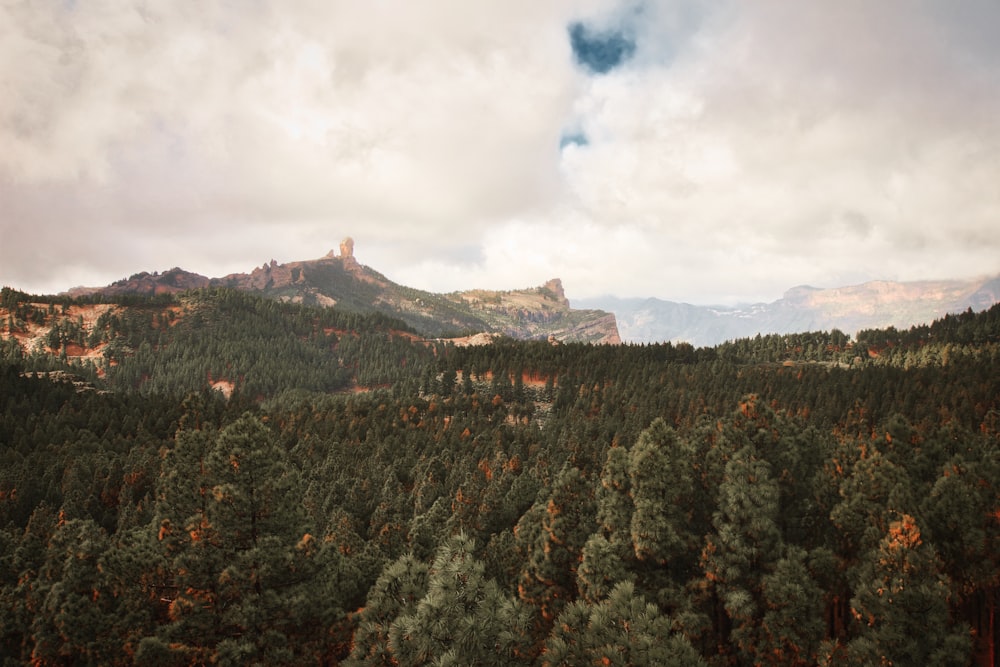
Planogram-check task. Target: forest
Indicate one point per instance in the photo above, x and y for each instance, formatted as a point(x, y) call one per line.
point(363, 495)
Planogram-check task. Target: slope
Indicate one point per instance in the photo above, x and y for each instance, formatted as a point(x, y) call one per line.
point(339, 281)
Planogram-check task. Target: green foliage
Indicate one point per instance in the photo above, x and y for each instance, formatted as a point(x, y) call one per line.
point(662, 488)
point(624, 629)
point(745, 544)
point(402, 584)
point(568, 504)
point(463, 619)
point(792, 622)
point(552, 534)
point(901, 603)
point(235, 533)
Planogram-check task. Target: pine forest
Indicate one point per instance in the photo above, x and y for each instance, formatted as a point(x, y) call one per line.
point(216, 478)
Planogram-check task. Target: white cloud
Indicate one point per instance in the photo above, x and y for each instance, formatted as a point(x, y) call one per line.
point(742, 150)
point(780, 125)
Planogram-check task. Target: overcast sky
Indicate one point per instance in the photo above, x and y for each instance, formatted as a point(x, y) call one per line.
point(709, 152)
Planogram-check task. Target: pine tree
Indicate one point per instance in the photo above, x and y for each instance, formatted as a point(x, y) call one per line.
point(75, 623)
point(463, 619)
point(792, 622)
point(136, 572)
point(624, 629)
point(234, 528)
point(614, 498)
point(552, 534)
point(901, 604)
point(608, 555)
point(26, 591)
point(961, 513)
point(396, 592)
point(744, 547)
point(603, 565)
point(663, 489)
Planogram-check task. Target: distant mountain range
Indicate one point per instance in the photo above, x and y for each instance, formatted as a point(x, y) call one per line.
point(339, 280)
point(872, 305)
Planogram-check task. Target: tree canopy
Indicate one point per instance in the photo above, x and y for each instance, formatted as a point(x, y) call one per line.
point(367, 497)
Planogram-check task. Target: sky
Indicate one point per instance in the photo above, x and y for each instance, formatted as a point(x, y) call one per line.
point(708, 152)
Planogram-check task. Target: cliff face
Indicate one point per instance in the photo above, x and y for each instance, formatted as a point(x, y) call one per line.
point(594, 326)
point(338, 280)
point(539, 313)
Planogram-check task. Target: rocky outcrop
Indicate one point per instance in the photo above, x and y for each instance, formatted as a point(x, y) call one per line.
point(601, 328)
point(555, 286)
point(347, 248)
point(268, 276)
point(340, 280)
point(538, 313)
point(169, 282)
point(347, 255)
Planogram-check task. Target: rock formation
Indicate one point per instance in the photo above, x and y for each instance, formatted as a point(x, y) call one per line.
point(556, 287)
point(347, 248)
point(340, 280)
point(347, 255)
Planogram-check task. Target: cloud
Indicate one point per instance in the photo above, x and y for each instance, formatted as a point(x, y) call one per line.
point(798, 144)
point(700, 152)
point(405, 121)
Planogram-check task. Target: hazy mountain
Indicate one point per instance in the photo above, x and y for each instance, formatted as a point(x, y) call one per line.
point(871, 305)
point(338, 280)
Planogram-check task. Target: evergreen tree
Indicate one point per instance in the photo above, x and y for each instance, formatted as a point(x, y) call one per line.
point(135, 570)
point(873, 492)
point(661, 470)
point(608, 554)
point(25, 592)
point(792, 622)
point(238, 562)
point(614, 497)
point(661, 475)
point(76, 619)
point(624, 629)
point(901, 605)
point(603, 564)
point(395, 593)
point(961, 513)
point(464, 618)
point(744, 547)
point(552, 534)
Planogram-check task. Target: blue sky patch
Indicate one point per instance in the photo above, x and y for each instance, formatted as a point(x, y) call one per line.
point(600, 52)
point(573, 139)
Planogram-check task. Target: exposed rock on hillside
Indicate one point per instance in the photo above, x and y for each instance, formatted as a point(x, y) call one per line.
point(339, 280)
point(168, 282)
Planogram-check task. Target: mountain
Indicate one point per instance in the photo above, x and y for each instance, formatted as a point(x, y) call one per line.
point(338, 280)
point(872, 305)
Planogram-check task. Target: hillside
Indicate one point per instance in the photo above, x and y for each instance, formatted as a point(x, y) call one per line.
point(872, 305)
point(213, 338)
point(339, 281)
point(274, 483)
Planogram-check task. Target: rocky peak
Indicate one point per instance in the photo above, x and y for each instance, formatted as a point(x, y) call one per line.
point(346, 254)
point(347, 248)
point(555, 286)
point(535, 313)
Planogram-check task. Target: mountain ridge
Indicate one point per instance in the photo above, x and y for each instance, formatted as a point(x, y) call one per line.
point(871, 305)
point(339, 280)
